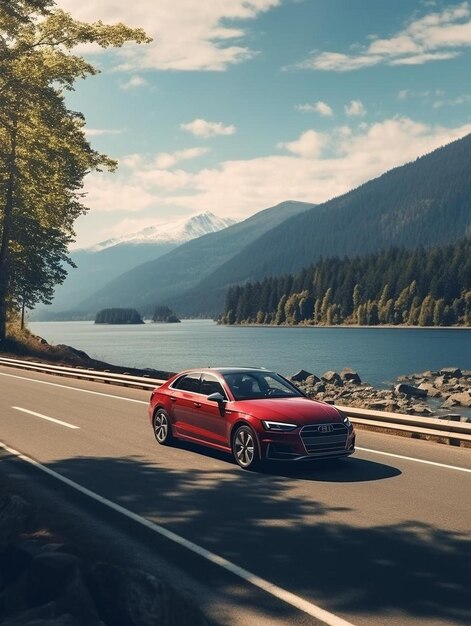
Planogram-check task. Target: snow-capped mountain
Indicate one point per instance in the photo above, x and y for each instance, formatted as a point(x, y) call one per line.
point(101, 263)
point(177, 232)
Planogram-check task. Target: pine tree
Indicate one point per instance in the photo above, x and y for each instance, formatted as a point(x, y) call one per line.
point(44, 154)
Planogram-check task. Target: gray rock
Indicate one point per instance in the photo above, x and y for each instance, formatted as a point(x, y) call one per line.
point(432, 391)
point(43, 616)
point(330, 377)
point(458, 399)
point(383, 405)
point(312, 380)
point(135, 598)
point(410, 390)
point(422, 409)
point(300, 376)
point(319, 388)
point(451, 372)
point(349, 375)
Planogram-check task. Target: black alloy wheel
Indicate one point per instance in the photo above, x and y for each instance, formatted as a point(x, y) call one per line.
point(245, 448)
point(162, 428)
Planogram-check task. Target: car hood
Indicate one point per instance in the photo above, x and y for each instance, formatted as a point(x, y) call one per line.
point(301, 410)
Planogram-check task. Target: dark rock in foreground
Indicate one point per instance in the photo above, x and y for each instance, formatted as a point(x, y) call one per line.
point(43, 584)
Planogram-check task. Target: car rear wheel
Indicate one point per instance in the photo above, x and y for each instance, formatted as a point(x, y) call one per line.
point(245, 448)
point(162, 428)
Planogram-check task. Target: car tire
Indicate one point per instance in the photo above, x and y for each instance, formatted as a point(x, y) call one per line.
point(162, 428)
point(245, 448)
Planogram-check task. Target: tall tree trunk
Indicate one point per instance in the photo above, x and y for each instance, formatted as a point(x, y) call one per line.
point(6, 232)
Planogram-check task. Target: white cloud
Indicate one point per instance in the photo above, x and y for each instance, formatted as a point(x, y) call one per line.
point(403, 94)
point(110, 193)
point(355, 108)
point(436, 36)
point(318, 107)
point(166, 160)
point(97, 132)
point(133, 83)
point(187, 35)
point(131, 160)
point(238, 188)
point(309, 144)
point(463, 99)
point(203, 128)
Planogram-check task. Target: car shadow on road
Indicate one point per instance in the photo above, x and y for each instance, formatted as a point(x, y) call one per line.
point(319, 544)
point(347, 470)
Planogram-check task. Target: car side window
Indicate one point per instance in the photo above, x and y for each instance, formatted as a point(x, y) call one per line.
point(210, 384)
point(190, 382)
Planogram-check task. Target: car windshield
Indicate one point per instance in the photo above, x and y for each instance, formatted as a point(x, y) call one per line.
point(258, 385)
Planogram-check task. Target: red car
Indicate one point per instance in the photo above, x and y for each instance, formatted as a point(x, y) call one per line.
point(252, 413)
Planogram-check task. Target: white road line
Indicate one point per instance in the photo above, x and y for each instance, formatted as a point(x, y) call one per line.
point(282, 594)
point(96, 393)
point(410, 458)
point(45, 417)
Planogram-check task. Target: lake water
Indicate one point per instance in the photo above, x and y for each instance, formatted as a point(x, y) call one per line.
point(378, 354)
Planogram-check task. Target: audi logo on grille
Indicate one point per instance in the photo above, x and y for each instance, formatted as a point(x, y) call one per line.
point(327, 428)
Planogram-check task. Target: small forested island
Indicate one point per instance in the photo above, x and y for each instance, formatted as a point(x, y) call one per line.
point(165, 314)
point(118, 316)
point(421, 287)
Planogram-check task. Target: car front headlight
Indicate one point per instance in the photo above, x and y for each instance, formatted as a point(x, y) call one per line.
point(347, 422)
point(278, 426)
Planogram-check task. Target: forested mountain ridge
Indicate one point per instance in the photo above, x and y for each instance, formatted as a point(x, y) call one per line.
point(425, 287)
point(159, 280)
point(422, 203)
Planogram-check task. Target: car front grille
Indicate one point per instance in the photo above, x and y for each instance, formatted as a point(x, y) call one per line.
point(321, 438)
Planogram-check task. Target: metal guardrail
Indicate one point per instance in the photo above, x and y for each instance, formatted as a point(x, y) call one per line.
point(138, 382)
point(442, 428)
point(432, 426)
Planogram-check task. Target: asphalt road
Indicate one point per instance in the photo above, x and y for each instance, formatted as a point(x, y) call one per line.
point(381, 538)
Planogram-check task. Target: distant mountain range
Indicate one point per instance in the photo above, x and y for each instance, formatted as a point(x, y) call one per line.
point(155, 282)
point(102, 262)
point(175, 232)
point(423, 203)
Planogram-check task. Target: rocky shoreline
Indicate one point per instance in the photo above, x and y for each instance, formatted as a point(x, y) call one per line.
point(428, 394)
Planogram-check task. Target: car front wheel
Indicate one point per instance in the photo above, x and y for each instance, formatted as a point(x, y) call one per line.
point(162, 428)
point(245, 448)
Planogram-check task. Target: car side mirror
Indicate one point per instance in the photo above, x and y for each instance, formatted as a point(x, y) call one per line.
point(216, 397)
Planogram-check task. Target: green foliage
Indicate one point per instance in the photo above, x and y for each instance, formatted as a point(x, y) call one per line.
point(368, 290)
point(44, 154)
point(118, 316)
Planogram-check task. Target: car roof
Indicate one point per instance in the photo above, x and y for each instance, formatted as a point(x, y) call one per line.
point(227, 370)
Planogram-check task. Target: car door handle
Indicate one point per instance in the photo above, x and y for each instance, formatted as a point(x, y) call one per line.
point(197, 405)
point(173, 399)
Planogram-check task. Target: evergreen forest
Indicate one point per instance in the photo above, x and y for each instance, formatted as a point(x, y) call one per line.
point(421, 287)
point(118, 316)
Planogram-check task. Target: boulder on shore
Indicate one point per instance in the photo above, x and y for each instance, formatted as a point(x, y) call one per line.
point(410, 390)
point(350, 376)
point(300, 376)
point(331, 377)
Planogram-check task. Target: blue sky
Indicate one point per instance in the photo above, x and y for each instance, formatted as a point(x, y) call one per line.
point(238, 105)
